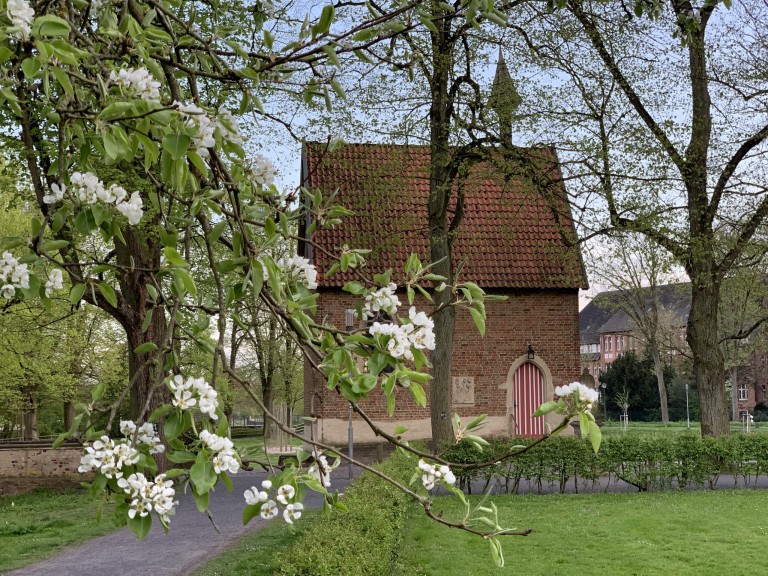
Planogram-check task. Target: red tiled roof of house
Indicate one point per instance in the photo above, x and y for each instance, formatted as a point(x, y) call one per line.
point(509, 236)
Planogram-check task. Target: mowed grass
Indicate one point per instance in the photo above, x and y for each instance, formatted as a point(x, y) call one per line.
point(681, 534)
point(613, 428)
point(256, 554)
point(36, 525)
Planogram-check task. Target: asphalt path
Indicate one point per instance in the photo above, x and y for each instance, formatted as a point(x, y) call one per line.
point(190, 543)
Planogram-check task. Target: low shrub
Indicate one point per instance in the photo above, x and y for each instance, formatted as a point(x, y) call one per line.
point(363, 540)
point(647, 463)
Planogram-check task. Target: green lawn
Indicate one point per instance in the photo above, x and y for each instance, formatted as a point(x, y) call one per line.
point(36, 525)
point(256, 553)
point(685, 534)
point(613, 428)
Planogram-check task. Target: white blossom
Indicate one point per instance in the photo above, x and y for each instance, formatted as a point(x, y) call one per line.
point(260, 170)
point(55, 281)
point(22, 15)
point(254, 496)
point(205, 126)
point(147, 494)
point(89, 190)
point(132, 209)
point(269, 510)
point(285, 493)
point(137, 82)
point(580, 391)
point(194, 392)
point(299, 269)
point(227, 127)
point(398, 345)
point(293, 512)
point(321, 470)
point(13, 275)
point(224, 459)
point(433, 472)
point(56, 194)
point(421, 330)
point(382, 300)
point(108, 457)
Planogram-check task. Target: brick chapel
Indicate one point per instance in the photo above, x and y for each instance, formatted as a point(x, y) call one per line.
point(512, 241)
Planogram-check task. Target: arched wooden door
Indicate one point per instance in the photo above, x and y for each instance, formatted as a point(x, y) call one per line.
point(527, 396)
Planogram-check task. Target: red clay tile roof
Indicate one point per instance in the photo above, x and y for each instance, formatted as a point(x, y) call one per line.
point(509, 237)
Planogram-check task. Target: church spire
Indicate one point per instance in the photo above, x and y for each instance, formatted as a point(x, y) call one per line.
point(504, 99)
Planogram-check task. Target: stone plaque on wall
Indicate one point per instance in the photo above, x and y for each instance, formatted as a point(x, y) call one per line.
point(463, 390)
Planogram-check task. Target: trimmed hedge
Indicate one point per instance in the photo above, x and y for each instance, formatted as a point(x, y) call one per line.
point(649, 464)
point(363, 540)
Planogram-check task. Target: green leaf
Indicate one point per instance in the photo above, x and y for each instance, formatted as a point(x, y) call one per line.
point(201, 500)
point(418, 394)
point(147, 320)
point(400, 430)
point(30, 67)
point(50, 25)
point(181, 457)
point(53, 245)
point(546, 408)
point(217, 231)
point(496, 552)
point(140, 525)
point(109, 293)
point(173, 426)
point(76, 293)
point(183, 276)
point(479, 319)
point(144, 348)
point(60, 439)
point(595, 436)
point(583, 424)
point(203, 475)
point(160, 412)
point(176, 145)
point(111, 146)
point(249, 512)
point(63, 79)
point(174, 258)
point(98, 391)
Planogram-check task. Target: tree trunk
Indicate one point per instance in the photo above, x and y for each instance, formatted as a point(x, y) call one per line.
point(267, 396)
point(734, 378)
point(708, 364)
point(69, 414)
point(145, 370)
point(659, 368)
point(440, 188)
point(30, 419)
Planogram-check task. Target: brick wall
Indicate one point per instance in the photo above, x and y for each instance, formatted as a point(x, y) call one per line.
point(548, 319)
point(24, 468)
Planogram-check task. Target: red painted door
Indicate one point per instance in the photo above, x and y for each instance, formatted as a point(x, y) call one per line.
point(527, 395)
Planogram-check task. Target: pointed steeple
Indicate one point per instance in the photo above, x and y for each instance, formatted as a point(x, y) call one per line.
point(504, 98)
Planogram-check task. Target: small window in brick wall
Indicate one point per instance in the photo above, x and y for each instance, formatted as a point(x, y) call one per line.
point(743, 394)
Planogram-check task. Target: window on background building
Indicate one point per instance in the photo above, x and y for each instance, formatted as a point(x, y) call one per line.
point(608, 344)
point(743, 395)
point(763, 389)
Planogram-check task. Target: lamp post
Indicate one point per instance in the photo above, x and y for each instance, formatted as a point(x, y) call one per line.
point(603, 385)
point(349, 324)
point(687, 412)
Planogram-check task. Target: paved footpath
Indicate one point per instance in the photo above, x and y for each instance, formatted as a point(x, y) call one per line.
point(190, 543)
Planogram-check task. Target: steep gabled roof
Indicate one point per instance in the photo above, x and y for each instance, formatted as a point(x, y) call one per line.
point(604, 314)
point(509, 236)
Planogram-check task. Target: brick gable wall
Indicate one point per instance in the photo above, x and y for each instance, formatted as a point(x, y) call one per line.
point(548, 319)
